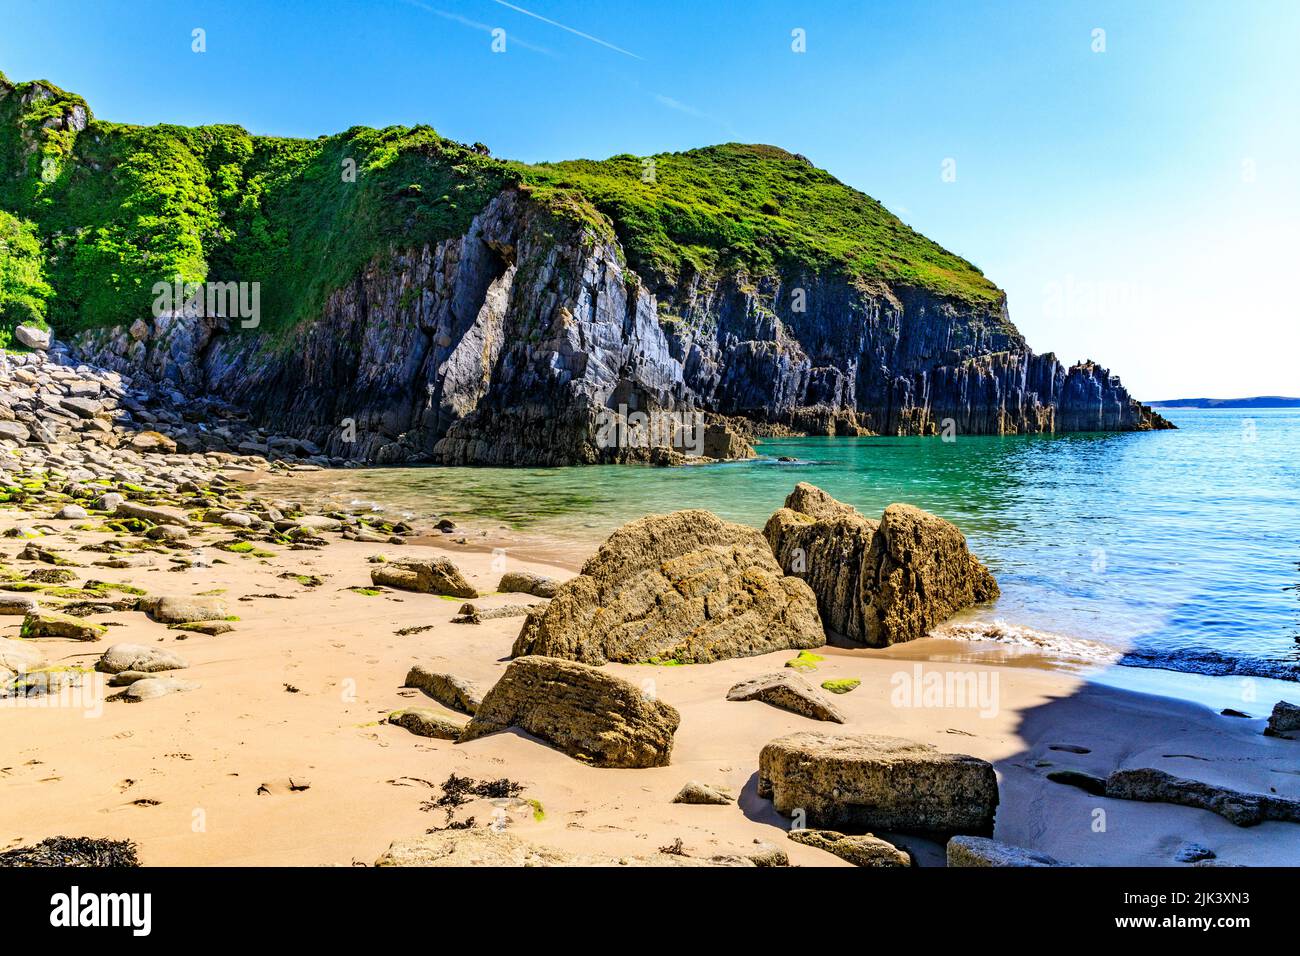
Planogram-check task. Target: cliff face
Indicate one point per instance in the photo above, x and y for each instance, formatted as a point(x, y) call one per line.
point(505, 345)
point(424, 301)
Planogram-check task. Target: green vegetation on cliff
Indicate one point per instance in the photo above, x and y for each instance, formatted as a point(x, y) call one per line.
point(118, 208)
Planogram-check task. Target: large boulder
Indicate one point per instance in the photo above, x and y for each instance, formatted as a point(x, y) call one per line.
point(866, 782)
point(585, 712)
point(1285, 719)
point(877, 583)
point(435, 576)
point(686, 586)
point(33, 337)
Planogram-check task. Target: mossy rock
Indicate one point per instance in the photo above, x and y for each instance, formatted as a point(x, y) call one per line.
point(841, 685)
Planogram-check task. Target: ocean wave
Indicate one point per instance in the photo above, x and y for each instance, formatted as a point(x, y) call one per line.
point(1029, 638)
point(1081, 650)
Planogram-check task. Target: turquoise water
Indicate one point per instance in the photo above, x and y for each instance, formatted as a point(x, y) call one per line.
point(1180, 549)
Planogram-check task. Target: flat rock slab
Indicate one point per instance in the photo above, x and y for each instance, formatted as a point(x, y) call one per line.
point(862, 782)
point(581, 710)
point(427, 723)
point(447, 689)
point(1241, 809)
point(859, 849)
point(54, 624)
point(686, 586)
point(178, 609)
point(789, 691)
point(152, 514)
point(980, 851)
point(484, 846)
point(139, 657)
point(436, 576)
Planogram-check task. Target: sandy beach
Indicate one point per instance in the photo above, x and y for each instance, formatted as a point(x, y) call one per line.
point(282, 755)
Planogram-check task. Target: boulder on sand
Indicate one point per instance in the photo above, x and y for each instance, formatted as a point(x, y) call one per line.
point(1284, 719)
point(140, 658)
point(589, 714)
point(866, 782)
point(178, 609)
point(789, 691)
point(42, 623)
point(528, 582)
point(877, 583)
point(447, 689)
point(434, 576)
point(686, 586)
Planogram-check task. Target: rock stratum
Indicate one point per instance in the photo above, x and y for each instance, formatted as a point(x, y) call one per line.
point(441, 305)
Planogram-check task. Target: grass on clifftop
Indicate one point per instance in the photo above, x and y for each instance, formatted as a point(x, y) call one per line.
point(760, 209)
point(102, 213)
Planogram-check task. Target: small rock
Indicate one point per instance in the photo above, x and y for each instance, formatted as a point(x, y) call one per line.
point(447, 689)
point(698, 793)
point(436, 576)
point(528, 582)
point(72, 513)
point(184, 610)
point(150, 688)
point(1194, 853)
point(978, 851)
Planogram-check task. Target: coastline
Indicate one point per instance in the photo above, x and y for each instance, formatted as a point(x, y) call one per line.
point(298, 692)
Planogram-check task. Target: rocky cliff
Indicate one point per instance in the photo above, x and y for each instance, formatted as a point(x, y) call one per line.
point(574, 298)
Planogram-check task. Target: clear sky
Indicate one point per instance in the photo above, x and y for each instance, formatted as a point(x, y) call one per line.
point(1140, 205)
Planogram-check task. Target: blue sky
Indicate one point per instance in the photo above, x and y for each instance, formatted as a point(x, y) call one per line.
point(1141, 205)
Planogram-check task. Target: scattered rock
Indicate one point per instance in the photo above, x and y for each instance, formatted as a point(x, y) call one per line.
point(139, 657)
point(151, 688)
point(427, 723)
point(860, 850)
point(210, 628)
point(13, 605)
point(528, 582)
point(1194, 853)
point(155, 515)
point(1284, 719)
point(698, 793)
point(966, 851)
point(153, 443)
point(877, 583)
point(788, 691)
point(686, 586)
point(868, 782)
point(841, 685)
point(72, 513)
point(447, 689)
point(18, 656)
point(588, 714)
point(32, 336)
point(53, 624)
point(179, 609)
point(434, 576)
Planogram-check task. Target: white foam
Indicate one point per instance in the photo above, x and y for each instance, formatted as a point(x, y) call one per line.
point(1044, 642)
